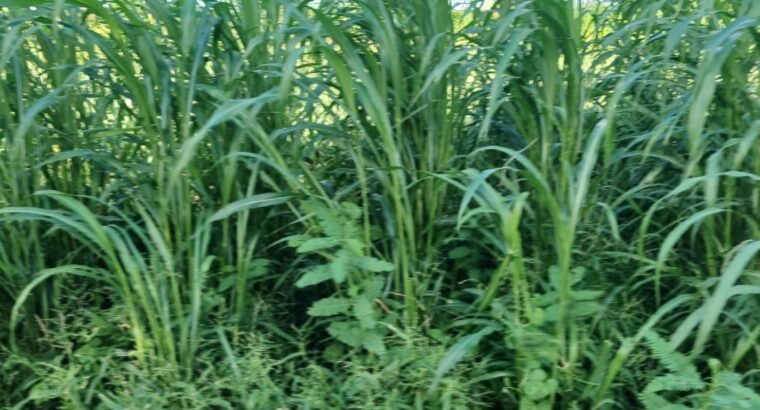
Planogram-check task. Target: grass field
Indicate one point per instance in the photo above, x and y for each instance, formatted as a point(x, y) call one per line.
point(380, 204)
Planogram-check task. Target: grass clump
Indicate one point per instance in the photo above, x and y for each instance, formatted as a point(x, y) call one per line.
point(380, 204)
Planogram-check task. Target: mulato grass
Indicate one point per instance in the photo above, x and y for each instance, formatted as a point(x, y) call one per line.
point(390, 204)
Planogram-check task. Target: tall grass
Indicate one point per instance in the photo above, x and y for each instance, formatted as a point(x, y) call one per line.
point(379, 204)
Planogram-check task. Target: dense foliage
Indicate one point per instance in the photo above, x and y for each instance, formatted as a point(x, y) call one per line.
point(380, 204)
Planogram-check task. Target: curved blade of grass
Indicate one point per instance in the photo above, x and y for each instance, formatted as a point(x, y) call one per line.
point(457, 352)
point(252, 202)
point(670, 242)
point(41, 276)
point(714, 305)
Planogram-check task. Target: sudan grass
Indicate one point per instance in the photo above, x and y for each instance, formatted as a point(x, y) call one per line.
point(379, 204)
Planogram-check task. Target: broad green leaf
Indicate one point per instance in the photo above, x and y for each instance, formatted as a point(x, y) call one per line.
point(315, 275)
point(587, 294)
point(460, 252)
point(340, 265)
point(364, 312)
point(317, 244)
point(329, 307)
point(347, 332)
point(373, 342)
point(374, 265)
point(352, 210)
point(373, 288)
point(226, 283)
